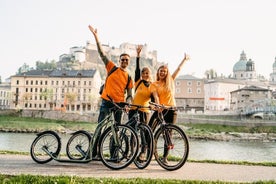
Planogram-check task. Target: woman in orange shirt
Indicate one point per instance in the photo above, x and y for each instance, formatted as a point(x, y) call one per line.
point(143, 89)
point(165, 89)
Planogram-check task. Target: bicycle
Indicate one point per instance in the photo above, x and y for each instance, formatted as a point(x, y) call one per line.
point(145, 137)
point(47, 145)
point(171, 143)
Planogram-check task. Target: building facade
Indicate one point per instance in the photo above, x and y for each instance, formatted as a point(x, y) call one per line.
point(248, 96)
point(65, 90)
point(189, 93)
point(244, 69)
point(5, 95)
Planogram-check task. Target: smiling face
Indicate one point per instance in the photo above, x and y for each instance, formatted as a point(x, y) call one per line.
point(162, 73)
point(124, 60)
point(145, 74)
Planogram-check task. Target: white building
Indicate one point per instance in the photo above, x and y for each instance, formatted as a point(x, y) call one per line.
point(5, 95)
point(244, 69)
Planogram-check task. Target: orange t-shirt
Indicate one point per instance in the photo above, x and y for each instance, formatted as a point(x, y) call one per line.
point(142, 95)
point(166, 97)
point(115, 84)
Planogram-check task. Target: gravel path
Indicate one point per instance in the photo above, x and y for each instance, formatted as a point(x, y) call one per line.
point(20, 164)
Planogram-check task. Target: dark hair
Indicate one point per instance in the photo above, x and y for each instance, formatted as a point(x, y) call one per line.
point(124, 54)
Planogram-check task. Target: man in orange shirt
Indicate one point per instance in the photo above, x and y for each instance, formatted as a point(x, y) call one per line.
point(115, 84)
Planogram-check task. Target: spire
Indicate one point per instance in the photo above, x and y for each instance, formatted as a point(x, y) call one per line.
point(243, 56)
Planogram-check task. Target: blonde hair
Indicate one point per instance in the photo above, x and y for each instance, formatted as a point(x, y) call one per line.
point(169, 82)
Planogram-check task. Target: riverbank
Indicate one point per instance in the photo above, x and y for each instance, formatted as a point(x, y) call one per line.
point(193, 131)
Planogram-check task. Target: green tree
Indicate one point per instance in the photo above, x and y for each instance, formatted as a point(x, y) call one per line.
point(46, 65)
point(210, 74)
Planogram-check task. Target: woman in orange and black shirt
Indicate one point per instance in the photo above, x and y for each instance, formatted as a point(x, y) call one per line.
point(143, 89)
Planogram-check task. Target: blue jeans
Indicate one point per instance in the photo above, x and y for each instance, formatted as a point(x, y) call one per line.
point(108, 107)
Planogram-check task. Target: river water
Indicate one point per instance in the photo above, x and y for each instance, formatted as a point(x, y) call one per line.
point(199, 150)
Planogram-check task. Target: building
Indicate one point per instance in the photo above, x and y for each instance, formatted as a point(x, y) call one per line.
point(217, 92)
point(272, 78)
point(189, 93)
point(5, 95)
point(66, 90)
point(243, 98)
point(244, 69)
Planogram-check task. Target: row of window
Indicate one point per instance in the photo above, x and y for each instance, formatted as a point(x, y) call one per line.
point(189, 90)
point(189, 83)
point(87, 107)
point(4, 102)
point(56, 90)
point(69, 83)
point(4, 94)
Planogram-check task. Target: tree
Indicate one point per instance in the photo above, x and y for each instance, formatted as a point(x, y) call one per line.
point(24, 68)
point(47, 94)
point(46, 65)
point(210, 74)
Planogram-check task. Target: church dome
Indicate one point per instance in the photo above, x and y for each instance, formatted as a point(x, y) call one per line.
point(241, 64)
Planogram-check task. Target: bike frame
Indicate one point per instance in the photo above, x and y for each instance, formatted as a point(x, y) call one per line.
point(105, 123)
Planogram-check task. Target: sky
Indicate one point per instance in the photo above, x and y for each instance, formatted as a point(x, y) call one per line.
point(212, 32)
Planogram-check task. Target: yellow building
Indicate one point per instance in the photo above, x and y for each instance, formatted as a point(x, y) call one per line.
point(65, 90)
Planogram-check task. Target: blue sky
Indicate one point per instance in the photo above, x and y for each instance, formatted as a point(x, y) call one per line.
point(213, 32)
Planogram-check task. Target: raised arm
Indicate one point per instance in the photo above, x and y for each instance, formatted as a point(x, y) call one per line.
point(175, 73)
point(137, 70)
point(100, 50)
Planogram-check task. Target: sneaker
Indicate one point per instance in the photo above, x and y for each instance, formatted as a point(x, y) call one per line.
point(115, 160)
point(142, 157)
point(164, 160)
point(96, 157)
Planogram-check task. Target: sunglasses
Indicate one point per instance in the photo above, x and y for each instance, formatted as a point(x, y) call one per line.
point(124, 60)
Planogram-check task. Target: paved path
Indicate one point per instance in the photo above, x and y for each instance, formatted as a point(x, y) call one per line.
point(18, 164)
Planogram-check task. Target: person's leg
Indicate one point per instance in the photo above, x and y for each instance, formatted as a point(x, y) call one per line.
point(169, 117)
point(104, 111)
point(152, 121)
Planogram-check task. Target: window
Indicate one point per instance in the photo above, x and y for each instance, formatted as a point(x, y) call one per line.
point(177, 90)
point(17, 82)
point(198, 90)
point(189, 83)
point(189, 90)
point(27, 82)
point(177, 83)
point(198, 83)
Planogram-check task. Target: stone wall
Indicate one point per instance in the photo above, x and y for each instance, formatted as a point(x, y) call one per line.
point(92, 117)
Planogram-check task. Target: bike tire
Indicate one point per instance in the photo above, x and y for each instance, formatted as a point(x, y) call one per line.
point(177, 151)
point(48, 140)
point(122, 155)
point(146, 141)
point(78, 145)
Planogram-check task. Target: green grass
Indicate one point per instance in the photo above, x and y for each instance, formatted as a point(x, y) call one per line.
point(27, 179)
point(25, 124)
point(211, 128)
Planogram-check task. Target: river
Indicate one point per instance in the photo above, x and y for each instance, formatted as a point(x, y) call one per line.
point(199, 150)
